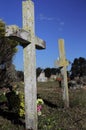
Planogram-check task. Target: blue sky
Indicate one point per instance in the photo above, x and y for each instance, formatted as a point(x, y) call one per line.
point(54, 19)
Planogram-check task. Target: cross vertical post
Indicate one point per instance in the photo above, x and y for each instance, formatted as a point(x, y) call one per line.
point(30, 66)
point(63, 63)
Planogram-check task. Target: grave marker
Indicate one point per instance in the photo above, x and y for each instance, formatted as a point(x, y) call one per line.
point(29, 41)
point(62, 62)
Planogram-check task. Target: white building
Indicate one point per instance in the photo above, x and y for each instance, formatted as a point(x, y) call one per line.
point(41, 77)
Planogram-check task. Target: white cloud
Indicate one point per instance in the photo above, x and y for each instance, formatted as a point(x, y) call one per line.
point(45, 18)
point(61, 23)
point(60, 26)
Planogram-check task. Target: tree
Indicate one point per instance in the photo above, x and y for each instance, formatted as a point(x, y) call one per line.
point(7, 51)
point(54, 71)
point(38, 71)
point(47, 72)
point(78, 67)
point(20, 76)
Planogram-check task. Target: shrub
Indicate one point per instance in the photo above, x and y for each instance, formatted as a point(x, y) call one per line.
point(16, 103)
point(13, 101)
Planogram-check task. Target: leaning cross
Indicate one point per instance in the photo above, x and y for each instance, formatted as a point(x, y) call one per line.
point(62, 62)
point(29, 41)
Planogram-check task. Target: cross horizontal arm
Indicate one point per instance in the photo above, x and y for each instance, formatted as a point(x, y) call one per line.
point(40, 44)
point(18, 34)
point(61, 63)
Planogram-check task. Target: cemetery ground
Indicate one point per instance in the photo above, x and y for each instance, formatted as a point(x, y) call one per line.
point(54, 115)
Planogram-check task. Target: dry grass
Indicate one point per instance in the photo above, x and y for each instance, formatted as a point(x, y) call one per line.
point(54, 115)
point(73, 118)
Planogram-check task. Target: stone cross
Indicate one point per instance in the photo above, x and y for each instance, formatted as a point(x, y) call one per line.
point(62, 62)
point(29, 41)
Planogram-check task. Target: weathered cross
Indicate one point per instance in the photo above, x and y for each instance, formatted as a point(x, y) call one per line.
point(29, 41)
point(62, 62)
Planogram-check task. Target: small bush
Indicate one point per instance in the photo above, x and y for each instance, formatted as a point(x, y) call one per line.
point(16, 102)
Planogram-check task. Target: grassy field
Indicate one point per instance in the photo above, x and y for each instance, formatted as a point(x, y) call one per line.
point(54, 115)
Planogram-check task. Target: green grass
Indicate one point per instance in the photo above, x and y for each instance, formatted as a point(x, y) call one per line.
point(54, 115)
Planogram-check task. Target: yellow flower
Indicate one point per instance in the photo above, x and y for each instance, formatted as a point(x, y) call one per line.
point(40, 101)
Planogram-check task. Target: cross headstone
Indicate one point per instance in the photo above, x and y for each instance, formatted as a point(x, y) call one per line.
point(29, 41)
point(62, 62)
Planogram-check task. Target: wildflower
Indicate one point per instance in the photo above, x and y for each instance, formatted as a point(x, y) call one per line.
point(17, 92)
point(40, 101)
point(39, 106)
point(4, 93)
point(39, 113)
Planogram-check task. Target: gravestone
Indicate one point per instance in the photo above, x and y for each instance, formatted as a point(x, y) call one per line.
point(62, 62)
point(30, 42)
